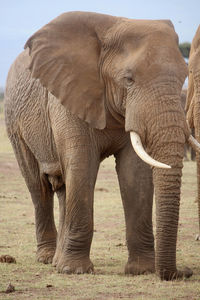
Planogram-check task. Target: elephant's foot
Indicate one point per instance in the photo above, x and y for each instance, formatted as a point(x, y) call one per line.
point(55, 260)
point(167, 275)
point(7, 259)
point(58, 252)
point(71, 266)
point(197, 237)
point(140, 266)
point(45, 255)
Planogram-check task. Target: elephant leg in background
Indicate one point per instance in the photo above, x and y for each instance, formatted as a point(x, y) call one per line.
point(42, 197)
point(185, 153)
point(61, 194)
point(192, 151)
point(188, 148)
point(135, 179)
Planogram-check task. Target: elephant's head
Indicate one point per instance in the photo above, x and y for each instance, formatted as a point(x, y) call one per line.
point(100, 66)
point(114, 72)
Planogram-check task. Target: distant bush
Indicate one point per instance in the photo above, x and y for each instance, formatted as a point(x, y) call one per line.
point(1, 93)
point(1, 96)
point(185, 49)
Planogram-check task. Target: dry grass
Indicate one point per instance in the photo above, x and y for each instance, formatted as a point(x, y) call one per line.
point(109, 253)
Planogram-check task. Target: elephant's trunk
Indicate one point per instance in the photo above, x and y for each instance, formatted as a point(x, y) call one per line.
point(167, 196)
point(168, 147)
point(165, 131)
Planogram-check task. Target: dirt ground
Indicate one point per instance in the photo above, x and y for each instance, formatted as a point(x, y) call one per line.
point(32, 280)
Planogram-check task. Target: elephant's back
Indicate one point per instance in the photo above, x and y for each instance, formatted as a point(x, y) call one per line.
point(17, 76)
point(26, 113)
point(19, 84)
point(22, 93)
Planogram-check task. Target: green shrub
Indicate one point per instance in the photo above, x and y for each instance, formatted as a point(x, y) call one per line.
point(1, 96)
point(185, 49)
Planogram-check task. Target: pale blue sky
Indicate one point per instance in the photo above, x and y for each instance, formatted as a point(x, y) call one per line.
point(21, 18)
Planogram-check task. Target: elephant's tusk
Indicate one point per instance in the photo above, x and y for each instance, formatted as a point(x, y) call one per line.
point(194, 144)
point(137, 146)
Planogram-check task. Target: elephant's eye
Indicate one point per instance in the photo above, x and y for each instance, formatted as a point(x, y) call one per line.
point(129, 80)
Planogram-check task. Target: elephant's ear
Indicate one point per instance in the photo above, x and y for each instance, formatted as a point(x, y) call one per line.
point(196, 40)
point(190, 100)
point(65, 57)
point(193, 67)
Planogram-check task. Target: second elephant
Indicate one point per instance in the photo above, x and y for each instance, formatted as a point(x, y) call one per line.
point(193, 103)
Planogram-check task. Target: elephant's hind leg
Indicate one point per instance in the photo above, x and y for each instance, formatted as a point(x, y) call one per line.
point(42, 197)
point(136, 188)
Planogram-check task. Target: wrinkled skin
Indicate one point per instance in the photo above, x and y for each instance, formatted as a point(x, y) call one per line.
point(83, 83)
point(188, 148)
point(193, 103)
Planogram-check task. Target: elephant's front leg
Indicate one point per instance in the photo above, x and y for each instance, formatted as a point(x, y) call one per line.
point(135, 179)
point(76, 222)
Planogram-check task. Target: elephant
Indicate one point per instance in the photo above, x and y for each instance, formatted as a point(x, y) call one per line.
point(87, 86)
point(187, 146)
point(193, 105)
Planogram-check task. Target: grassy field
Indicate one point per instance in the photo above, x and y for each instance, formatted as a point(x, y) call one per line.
point(33, 280)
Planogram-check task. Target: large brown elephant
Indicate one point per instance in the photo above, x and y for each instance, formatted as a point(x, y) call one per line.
point(83, 84)
point(193, 103)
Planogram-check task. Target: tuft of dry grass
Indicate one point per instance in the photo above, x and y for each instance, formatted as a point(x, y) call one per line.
point(33, 280)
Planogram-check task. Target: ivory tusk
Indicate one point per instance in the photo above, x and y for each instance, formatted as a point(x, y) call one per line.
point(194, 144)
point(137, 146)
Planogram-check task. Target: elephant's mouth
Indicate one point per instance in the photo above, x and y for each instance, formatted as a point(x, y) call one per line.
point(139, 149)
